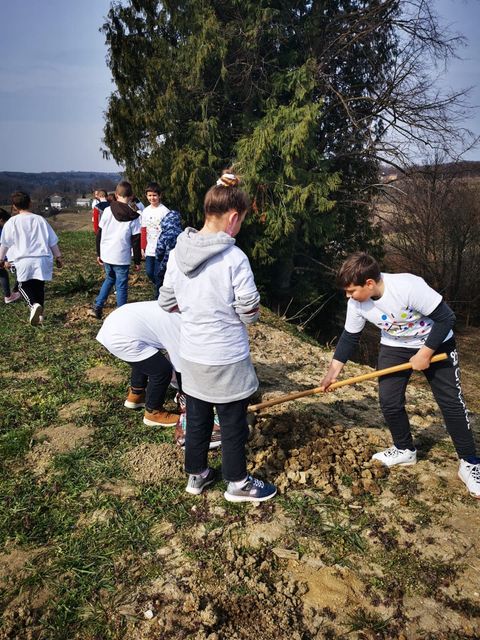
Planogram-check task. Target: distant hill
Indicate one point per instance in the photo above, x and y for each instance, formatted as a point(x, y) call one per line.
point(42, 185)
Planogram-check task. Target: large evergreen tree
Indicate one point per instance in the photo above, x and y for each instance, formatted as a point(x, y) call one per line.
point(294, 92)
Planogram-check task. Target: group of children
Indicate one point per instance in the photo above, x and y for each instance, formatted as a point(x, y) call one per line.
point(123, 228)
point(197, 329)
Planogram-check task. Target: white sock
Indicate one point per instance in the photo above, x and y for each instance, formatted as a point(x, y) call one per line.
point(204, 474)
point(239, 484)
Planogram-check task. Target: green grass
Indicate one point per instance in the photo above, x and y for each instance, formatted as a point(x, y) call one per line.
point(92, 551)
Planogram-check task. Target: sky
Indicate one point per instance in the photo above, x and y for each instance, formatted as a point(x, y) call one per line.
point(54, 81)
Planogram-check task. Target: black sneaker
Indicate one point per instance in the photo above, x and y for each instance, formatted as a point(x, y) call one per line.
point(196, 484)
point(254, 490)
point(96, 312)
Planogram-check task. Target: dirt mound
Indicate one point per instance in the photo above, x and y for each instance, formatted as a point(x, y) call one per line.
point(54, 440)
point(78, 409)
point(154, 463)
point(104, 375)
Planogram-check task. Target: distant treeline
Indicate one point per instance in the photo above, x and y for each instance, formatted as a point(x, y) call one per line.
point(43, 185)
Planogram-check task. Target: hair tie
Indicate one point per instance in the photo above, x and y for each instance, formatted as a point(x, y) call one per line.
point(227, 180)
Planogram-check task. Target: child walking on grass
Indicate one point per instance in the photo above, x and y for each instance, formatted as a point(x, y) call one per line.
point(118, 234)
point(209, 280)
point(32, 245)
point(415, 324)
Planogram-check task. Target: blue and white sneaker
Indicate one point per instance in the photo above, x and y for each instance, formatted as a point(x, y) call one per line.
point(254, 490)
point(196, 484)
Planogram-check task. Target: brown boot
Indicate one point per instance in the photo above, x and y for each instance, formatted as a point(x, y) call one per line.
point(160, 418)
point(134, 399)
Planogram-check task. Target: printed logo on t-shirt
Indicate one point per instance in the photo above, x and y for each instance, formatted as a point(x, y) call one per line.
point(408, 322)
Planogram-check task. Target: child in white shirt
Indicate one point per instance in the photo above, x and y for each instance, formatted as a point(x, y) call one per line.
point(152, 217)
point(210, 281)
point(415, 323)
point(118, 233)
point(32, 245)
point(140, 334)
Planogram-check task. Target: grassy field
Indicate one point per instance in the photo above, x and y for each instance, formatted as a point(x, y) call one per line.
point(98, 539)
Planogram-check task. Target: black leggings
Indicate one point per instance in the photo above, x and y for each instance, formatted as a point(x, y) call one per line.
point(444, 380)
point(154, 375)
point(232, 417)
point(33, 291)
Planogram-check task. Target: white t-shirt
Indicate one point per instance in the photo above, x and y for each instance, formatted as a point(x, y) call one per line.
point(136, 331)
point(212, 332)
point(152, 221)
point(400, 313)
point(28, 238)
point(116, 241)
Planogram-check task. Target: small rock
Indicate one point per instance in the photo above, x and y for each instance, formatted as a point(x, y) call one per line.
point(148, 614)
point(286, 554)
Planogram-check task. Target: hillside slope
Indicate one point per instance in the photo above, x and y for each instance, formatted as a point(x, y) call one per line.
point(99, 539)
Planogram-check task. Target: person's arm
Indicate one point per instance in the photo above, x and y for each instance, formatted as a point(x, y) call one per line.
point(167, 299)
point(57, 255)
point(347, 344)
point(247, 298)
point(443, 322)
point(95, 219)
point(137, 252)
point(171, 229)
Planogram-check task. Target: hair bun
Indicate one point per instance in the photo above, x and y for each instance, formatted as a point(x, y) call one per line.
point(228, 180)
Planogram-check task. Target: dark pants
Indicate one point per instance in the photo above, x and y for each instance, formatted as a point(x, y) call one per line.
point(444, 380)
point(155, 275)
point(232, 417)
point(153, 375)
point(33, 291)
point(5, 283)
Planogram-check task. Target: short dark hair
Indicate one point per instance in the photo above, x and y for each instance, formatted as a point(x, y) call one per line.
point(101, 193)
point(226, 195)
point(154, 187)
point(124, 189)
point(357, 269)
point(4, 215)
point(21, 200)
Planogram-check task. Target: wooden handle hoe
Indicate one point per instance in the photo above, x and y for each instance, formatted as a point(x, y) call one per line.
point(336, 385)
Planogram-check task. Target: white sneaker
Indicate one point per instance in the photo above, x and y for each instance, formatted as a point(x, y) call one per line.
point(13, 297)
point(391, 457)
point(469, 474)
point(36, 312)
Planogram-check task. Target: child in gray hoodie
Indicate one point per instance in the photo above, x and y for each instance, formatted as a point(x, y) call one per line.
point(210, 282)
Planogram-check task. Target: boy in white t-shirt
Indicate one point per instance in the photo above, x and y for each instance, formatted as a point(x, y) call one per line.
point(140, 334)
point(32, 245)
point(118, 233)
point(152, 217)
point(415, 324)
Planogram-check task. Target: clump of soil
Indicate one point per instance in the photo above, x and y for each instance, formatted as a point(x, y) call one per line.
point(328, 456)
point(104, 374)
point(14, 560)
point(79, 408)
point(54, 440)
point(154, 463)
point(39, 375)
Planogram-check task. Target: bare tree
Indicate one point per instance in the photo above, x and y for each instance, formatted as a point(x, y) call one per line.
point(431, 221)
